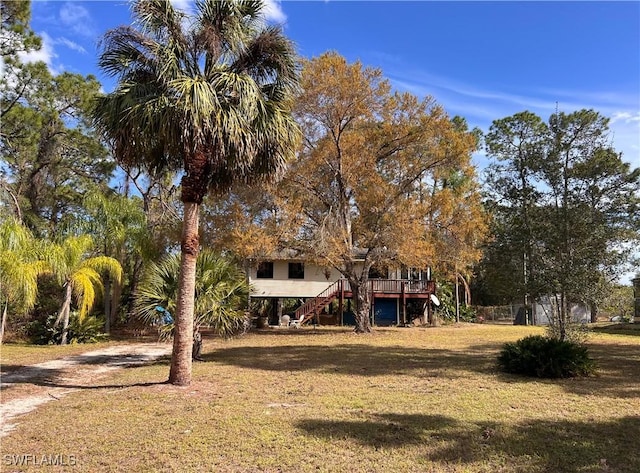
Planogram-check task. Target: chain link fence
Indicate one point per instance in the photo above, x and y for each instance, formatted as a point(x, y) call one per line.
point(498, 313)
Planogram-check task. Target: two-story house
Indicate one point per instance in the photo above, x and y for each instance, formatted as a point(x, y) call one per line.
point(397, 295)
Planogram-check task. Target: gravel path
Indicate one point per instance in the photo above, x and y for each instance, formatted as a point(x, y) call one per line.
point(54, 379)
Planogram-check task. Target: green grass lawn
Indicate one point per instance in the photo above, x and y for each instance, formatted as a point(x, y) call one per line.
point(398, 400)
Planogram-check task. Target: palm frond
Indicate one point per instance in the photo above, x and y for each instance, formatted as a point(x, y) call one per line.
point(21, 264)
point(221, 293)
point(126, 51)
point(160, 19)
point(105, 264)
point(224, 26)
point(27, 282)
point(222, 82)
point(158, 289)
point(84, 283)
point(270, 59)
point(14, 235)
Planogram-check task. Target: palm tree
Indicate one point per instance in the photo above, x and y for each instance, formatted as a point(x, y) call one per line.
point(119, 227)
point(21, 264)
point(80, 275)
point(209, 95)
point(221, 294)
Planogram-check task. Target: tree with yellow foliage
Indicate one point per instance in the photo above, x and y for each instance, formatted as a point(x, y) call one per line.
point(382, 179)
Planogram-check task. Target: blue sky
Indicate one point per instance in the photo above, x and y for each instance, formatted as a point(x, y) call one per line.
point(480, 60)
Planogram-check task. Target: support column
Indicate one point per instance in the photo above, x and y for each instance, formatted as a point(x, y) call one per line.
point(372, 314)
point(341, 302)
point(404, 304)
point(279, 310)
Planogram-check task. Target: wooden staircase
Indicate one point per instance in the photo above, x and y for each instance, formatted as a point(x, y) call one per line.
point(313, 306)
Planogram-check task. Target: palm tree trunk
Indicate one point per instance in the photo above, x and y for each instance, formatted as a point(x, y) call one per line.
point(107, 304)
point(180, 372)
point(133, 287)
point(4, 321)
point(116, 294)
point(63, 316)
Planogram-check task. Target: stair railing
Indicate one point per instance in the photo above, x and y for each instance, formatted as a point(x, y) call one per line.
point(327, 295)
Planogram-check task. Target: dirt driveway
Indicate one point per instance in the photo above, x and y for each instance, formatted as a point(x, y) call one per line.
point(51, 380)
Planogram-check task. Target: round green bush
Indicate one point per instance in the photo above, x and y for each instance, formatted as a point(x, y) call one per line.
point(545, 357)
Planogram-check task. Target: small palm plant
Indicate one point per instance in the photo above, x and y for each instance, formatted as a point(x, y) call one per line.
point(221, 295)
point(79, 274)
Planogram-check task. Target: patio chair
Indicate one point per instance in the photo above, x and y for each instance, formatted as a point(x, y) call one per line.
point(296, 323)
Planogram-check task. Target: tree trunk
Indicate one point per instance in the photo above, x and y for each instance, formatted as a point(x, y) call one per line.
point(133, 287)
point(563, 317)
point(594, 312)
point(107, 303)
point(116, 295)
point(197, 346)
point(427, 317)
point(361, 305)
point(467, 290)
point(180, 372)
point(63, 315)
point(4, 322)
point(457, 289)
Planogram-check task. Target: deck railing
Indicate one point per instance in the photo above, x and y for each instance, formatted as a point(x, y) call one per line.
point(327, 295)
point(376, 286)
point(399, 286)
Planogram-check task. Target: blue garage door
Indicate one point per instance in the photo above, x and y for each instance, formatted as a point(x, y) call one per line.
point(385, 312)
point(348, 318)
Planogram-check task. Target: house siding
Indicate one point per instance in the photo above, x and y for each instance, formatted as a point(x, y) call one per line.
point(315, 281)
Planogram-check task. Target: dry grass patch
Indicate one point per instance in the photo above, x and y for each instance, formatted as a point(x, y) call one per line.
point(406, 400)
point(16, 355)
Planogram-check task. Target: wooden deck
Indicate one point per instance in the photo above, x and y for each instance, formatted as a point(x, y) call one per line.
point(378, 288)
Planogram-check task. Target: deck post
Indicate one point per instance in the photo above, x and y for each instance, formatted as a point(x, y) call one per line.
point(341, 302)
point(278, 309)
point(372, 304)
point(404, 303)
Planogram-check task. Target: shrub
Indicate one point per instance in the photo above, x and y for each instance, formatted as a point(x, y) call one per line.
point(468, 314)
point(545, 357)
point(447, 308)
point(576, 332)
point(87, 330)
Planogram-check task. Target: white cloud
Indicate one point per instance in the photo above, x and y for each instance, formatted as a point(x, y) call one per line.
point(625, 117)
point(602, 97)
point(481, 105)
point(183, 5)
point(625, 137)
point(452, 103)
point(71, 45)
point(495, 100)
point(273, 11)
point(77, 18)
point(45, 54)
